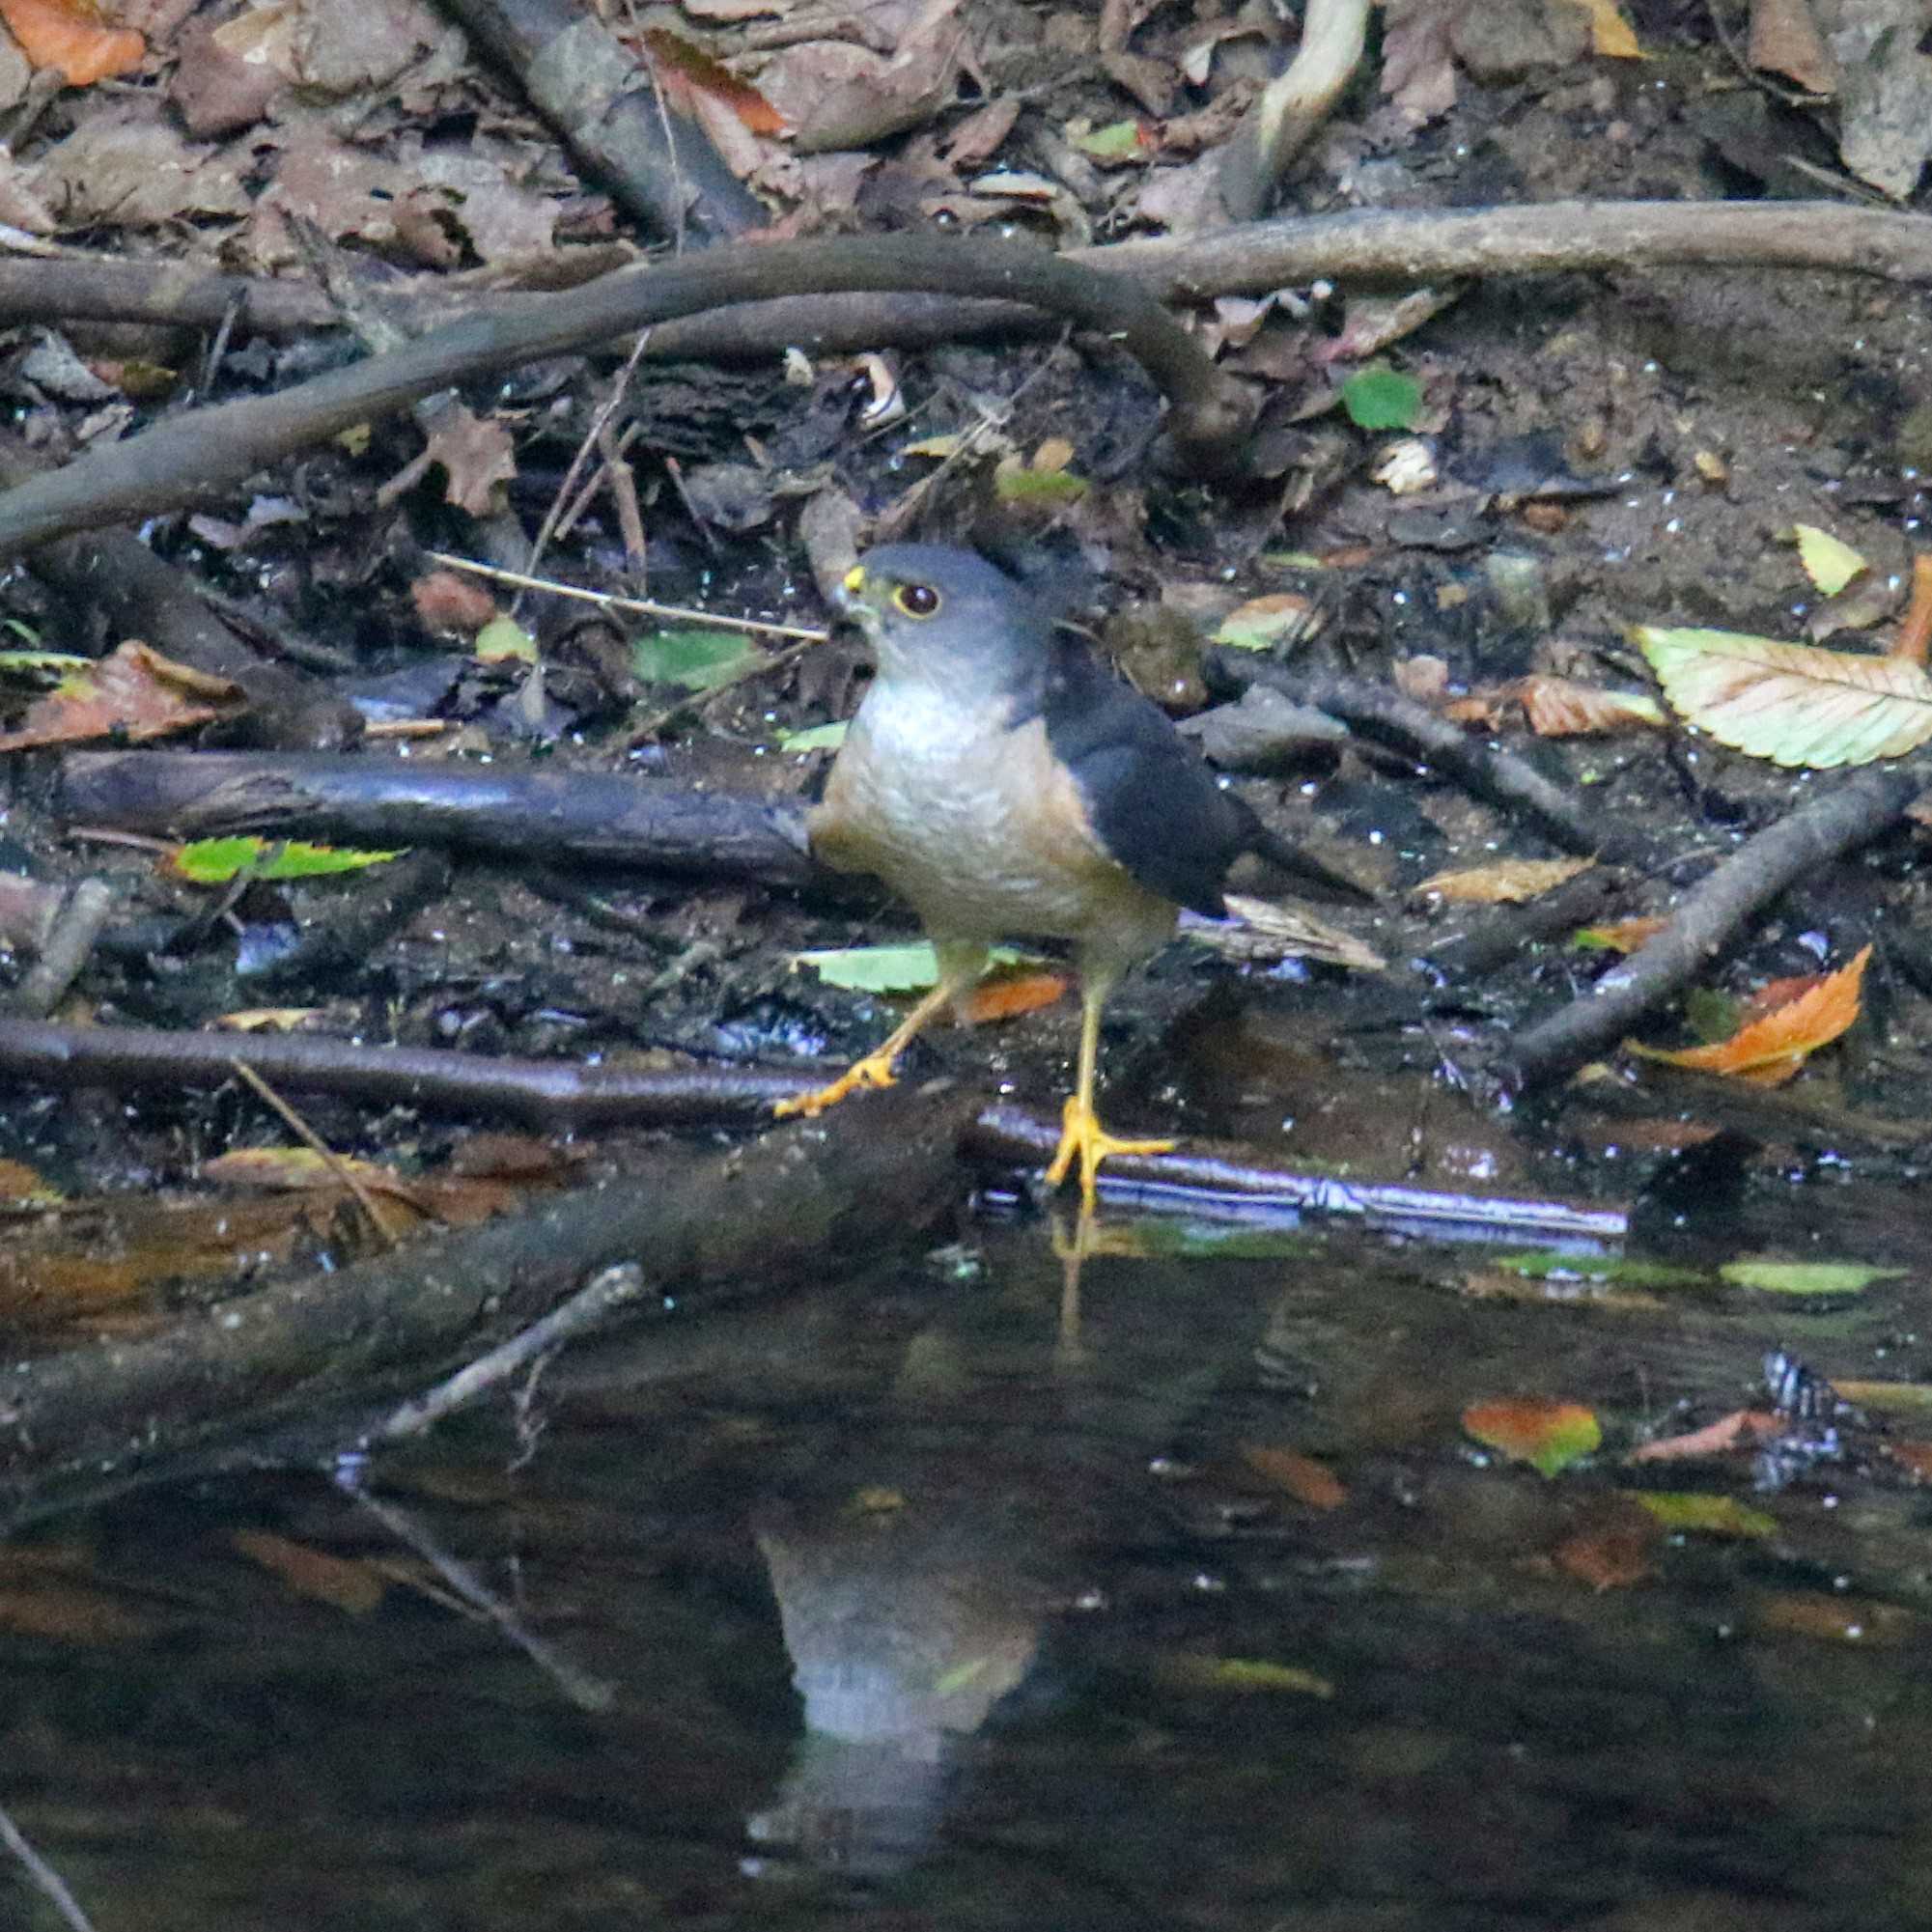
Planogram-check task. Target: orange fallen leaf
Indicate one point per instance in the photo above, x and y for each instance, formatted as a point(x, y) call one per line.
point(1741, 1429)
point(1914, 1456)
point(679, 65)
point(56, 34)
point(134, 694)
point(1769, 1050)
point(1008, 995)
point(1549, 1436)
point(1303, 1478)
point(1621, 936)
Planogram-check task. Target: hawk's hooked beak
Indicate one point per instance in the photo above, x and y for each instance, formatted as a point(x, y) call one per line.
point(849, 596)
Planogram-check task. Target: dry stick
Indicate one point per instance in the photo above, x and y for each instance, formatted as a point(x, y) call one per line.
point(585, 816)
point(1373, 245)
point(1551, 238)
point(1375, 711)
point(707, 1228)
point(592, 1308)
point(1841, 821)
point(565, 1095)
point(586, 1692)
point(643, 606)
point(196, 456)
point(1293, 106)
point(67, 949)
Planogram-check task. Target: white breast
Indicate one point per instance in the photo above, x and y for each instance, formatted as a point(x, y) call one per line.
point(918, 795)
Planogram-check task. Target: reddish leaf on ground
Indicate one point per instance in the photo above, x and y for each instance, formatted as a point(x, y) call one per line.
point(1007, 995)
point(1741, 1429)
point(1549, 1436)
point(137, 694)
point(56, 34)
point(1617, 1547)
point(1302, 1476)
point(1769, 1049)
point(681, 67)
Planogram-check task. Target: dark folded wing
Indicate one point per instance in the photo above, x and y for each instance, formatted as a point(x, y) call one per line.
point(1153, 804)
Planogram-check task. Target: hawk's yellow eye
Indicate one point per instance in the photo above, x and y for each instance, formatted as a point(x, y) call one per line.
point(918, 599)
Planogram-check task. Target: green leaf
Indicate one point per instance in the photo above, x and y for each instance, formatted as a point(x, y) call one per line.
point(1708, 1515)
point(1805, 1278)
point(909, 969)
point(694, 660)
point(1017, 484)
point(816, 737)
point(1627, 1271)
point(1244, 1674)
point(214, 861)
point(503, 640)
point(1118, 140)
point(1549, 1436)
point(1382, 398)
point(30, 663)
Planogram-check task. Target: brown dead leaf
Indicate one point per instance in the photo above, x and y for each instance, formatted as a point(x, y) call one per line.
point(1419, 71)
point(1617, 1548)
point(451, 605)
point(479, 460)
point(1562, 708)
point(1917, 1457)
point(20, 1186)
point(1302, 1476)
point(981, 134)
point(344, 1581)
point(56, 34)
point(1784, 40)
point(1836, 1619)
point(134, 694)
point(1509, 882)
point(127, 165)
point(67, 1612)
point(1770, 1050)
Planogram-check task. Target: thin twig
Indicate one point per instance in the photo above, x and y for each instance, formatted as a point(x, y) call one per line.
point(643, 606)
point(585, 1692)
point(587, 1310)
point(316, 1145)
point(620, 386)
point(47, 1880)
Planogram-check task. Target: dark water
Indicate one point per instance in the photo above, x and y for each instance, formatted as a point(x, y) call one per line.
point(907, 1607)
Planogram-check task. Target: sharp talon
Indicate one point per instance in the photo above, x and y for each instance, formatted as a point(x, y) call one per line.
point(1083, 1138)
point(875, 1070)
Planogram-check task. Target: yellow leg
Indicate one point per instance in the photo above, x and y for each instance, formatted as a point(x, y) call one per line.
point(958, 967)
point(1082, 1135)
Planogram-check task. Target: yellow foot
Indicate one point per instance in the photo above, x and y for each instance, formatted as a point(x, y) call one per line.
point(1083, 1138)
point(874, 1071)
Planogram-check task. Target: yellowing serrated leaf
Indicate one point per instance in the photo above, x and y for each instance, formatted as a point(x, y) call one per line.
point(1793, 704)
point(1829, 562)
